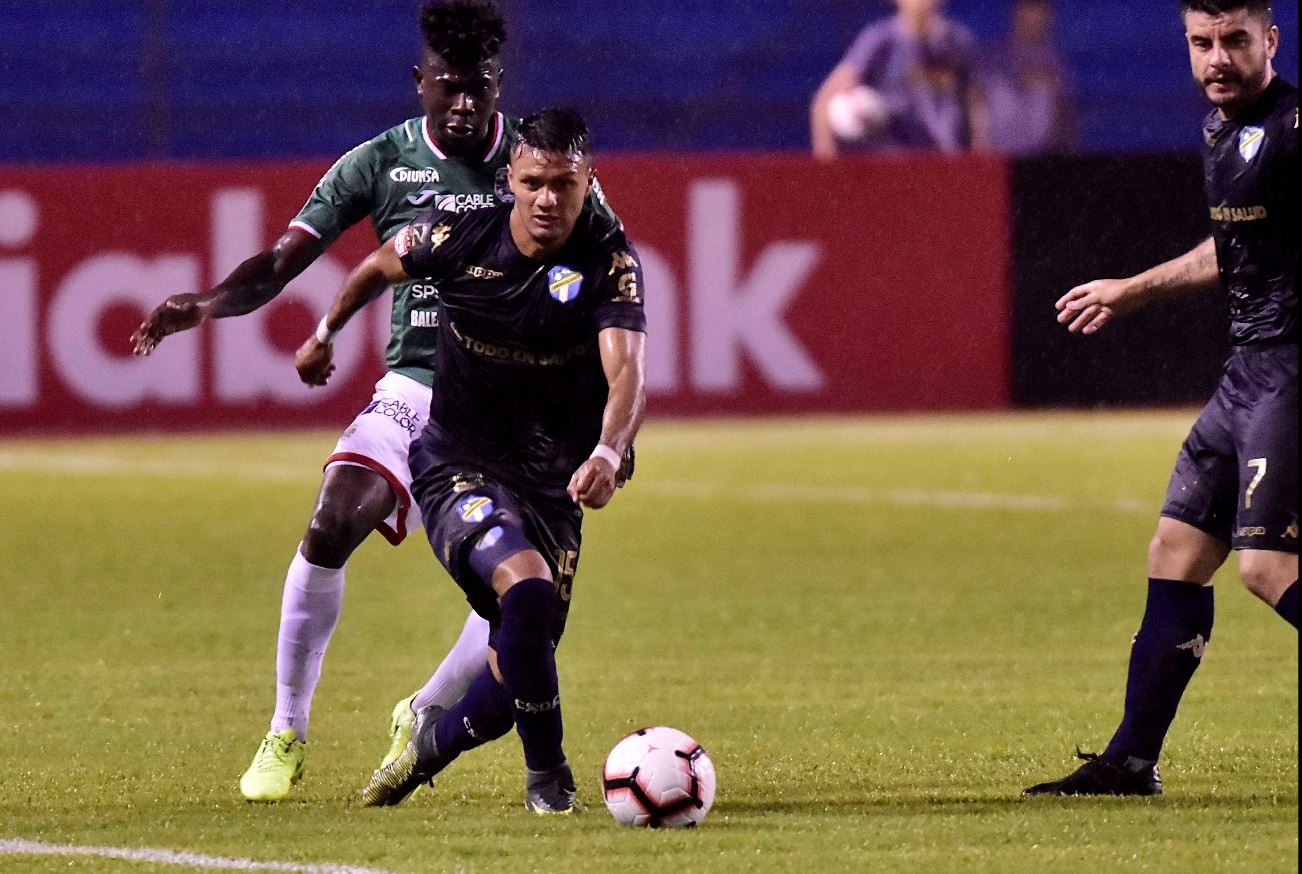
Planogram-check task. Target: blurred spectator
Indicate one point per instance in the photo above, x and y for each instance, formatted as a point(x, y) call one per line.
point(904, 84)
point(1024, 103)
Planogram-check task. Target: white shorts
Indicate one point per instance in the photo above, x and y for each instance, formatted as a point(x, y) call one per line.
point(379, 439)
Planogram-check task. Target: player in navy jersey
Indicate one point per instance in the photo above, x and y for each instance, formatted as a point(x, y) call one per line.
point(541, 363)
point(1235, 482)
point(455, 154)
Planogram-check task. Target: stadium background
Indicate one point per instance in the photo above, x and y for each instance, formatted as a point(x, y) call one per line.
point(149, 146)
point(881, 626)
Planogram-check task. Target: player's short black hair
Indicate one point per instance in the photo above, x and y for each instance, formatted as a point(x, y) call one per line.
point(1220, 7)
point(555, 130)
point(465, 33)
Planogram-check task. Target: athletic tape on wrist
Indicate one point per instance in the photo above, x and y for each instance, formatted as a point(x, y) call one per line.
point(324, 335)
point(605, 453)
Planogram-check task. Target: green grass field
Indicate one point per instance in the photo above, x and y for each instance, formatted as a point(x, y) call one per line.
point(881, 629)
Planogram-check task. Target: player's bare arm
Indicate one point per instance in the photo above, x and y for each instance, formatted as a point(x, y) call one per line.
point(623, 358)
point(314, 360)
point(1087, 308)
point(252, 284)
point(842, 78)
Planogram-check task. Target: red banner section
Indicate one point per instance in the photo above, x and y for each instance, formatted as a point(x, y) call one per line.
point(774, 285)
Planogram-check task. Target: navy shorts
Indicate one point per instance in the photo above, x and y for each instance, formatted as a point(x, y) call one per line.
point(460, 502)
point(1236, 477)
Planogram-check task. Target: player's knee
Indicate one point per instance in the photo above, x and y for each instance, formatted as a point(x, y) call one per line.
point(1179, 551)
point(335, 530)
point(1267, 575)
point(523, 567)
point(1165, 553)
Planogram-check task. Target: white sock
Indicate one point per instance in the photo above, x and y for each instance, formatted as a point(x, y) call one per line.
point(309, 611)
point(461, 665)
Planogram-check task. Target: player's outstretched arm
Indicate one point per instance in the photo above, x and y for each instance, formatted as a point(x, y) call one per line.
point(623, 358)
point(314, 359)
point(821, 137)
point(250, 285)
point(1087, 308)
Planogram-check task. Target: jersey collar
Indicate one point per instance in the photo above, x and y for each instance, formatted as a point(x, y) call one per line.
point(494, 138)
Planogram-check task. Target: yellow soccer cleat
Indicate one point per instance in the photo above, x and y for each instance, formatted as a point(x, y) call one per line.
point(400, 723)
point(276, 767)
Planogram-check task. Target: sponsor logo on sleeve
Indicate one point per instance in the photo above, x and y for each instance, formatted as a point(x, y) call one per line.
point(439, 236)
point(402, 242)
point(502, 186)
point(564, 283)
point(626, 285)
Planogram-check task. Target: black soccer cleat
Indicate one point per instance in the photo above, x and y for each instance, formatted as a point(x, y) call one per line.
point(417, 764)
point(551, 792)
point(1097, 777)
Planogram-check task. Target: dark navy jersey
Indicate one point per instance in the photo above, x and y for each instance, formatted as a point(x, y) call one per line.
point(1250, 166)
point(521, 390)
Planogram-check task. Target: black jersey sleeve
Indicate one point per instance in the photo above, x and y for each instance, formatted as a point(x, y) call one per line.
point(1286, 162)
point(620, 290)
point(422, 245)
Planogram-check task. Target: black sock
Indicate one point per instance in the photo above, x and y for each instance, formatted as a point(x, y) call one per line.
point(1167, 650)
point(1287, 606)
point(527, 657)
point(482, 714)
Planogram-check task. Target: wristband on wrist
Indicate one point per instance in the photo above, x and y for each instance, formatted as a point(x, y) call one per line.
point(324, 335)
point(605, 453)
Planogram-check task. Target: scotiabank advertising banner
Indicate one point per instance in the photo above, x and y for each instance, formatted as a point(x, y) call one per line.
point(775, 284)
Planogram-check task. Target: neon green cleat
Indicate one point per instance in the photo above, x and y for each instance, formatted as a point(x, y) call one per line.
point(400, 723)
point(277, 766)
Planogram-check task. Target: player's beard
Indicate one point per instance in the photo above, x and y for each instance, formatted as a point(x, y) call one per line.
point(1247, 88)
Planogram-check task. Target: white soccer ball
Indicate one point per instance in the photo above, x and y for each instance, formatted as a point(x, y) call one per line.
point(659, 778)
point(857, 113)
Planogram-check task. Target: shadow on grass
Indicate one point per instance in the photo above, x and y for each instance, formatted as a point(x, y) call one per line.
point(979, 805)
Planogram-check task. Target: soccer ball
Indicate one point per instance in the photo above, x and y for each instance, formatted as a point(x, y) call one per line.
point(857, 114)
point(658, 777)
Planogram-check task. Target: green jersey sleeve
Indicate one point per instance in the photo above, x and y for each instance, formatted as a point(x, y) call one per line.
point(343, 197)
point(597, 203)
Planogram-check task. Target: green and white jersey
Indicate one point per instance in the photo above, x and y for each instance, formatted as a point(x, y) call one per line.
point(392, 178)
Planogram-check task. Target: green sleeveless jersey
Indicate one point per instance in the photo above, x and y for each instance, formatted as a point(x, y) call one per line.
point(391, 179)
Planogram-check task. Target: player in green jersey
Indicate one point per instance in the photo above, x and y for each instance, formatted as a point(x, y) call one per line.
point(453, 156)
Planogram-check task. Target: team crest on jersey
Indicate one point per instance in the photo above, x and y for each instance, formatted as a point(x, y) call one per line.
point(563, 283)
point(475, 508)
point(502, 186)
point(1251, 139)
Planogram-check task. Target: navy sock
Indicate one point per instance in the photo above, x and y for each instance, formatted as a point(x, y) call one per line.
point(1167, 650)
point(527, 657)
point(481, 715)
point(1287, 606)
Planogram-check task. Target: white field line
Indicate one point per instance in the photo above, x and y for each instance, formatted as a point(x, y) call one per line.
point(947, 499)
point(178, 467)
point(863, 495)
point(17, 847)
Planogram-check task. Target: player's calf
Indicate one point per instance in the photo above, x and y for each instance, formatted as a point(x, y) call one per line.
point(526, 656)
